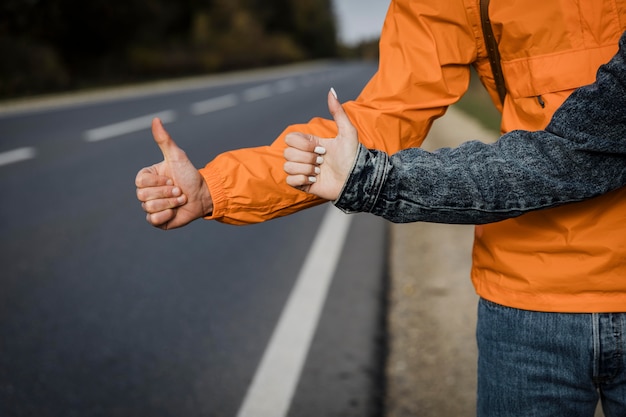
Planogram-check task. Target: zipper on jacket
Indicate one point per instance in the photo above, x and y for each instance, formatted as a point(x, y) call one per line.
point(541, 102)
point(492, 50)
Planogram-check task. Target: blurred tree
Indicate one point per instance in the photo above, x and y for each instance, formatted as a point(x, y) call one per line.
point(59, 44)
point(310, 22)
point(315, 26)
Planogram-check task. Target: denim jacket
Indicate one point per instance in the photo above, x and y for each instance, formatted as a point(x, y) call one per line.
point(580, 154)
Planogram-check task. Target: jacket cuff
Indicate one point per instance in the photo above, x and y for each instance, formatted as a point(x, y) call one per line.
point(362, 188)
point(218, 195)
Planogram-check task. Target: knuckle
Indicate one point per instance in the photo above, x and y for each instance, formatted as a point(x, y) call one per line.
point(294, 180)
point(148, 206)
point(157, 219)
point(141, 194)
point(289, 138)
point(154, 206)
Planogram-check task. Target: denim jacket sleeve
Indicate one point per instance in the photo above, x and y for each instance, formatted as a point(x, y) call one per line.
point(580, 154)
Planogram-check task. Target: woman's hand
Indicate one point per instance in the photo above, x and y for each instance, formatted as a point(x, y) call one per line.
point(321, 166)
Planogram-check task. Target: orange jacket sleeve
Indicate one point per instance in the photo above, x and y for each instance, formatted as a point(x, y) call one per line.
point(425, 51)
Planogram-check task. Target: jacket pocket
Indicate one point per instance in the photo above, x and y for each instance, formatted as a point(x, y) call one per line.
point(536, 76)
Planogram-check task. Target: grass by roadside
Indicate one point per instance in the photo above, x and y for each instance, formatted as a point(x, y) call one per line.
point(477, 104)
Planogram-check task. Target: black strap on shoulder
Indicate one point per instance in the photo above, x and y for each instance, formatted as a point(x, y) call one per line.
point(492, 49)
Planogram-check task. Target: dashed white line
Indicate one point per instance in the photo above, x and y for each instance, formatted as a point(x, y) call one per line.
point(257, 93)
point(214, 104)
point(133, 125)
point(275, 380)
point(127, 126)
point(17, 155)
point(285, 86)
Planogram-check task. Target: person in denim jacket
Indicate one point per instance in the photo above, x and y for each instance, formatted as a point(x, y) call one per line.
point(581, 154)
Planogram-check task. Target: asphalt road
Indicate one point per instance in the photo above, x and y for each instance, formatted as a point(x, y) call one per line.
point(103, 315)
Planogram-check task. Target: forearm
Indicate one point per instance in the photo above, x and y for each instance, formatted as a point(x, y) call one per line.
point(248, 185)
point(450, 186)
point(394, 111)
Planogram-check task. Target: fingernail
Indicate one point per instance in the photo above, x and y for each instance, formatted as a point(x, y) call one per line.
point(181, 199)
point(170, 182)
point(319, 160)
point(312, 179)
point(320, 150)
point(175, 191)
point(334, 93)
point(317, 170)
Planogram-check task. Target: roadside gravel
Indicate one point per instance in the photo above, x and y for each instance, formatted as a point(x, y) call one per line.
point(431, 365)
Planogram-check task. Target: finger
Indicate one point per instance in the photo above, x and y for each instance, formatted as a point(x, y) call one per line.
point(163, 204)
point(294, 168)
point(303, 157)
point(146, 178)
point(301, 182)
point(155, 193)
point(161, 218)
point(344, 126)
point(170, 150)
point(304, 142)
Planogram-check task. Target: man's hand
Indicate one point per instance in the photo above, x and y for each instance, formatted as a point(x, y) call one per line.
point(321, 166)
point(172, 192)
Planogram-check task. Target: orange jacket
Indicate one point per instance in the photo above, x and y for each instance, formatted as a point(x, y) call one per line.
point(567, 259)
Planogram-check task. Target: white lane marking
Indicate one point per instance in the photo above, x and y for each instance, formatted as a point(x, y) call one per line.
point(161, 87)
point(257, 93)
point(275, 380)
point(285, 86)
point(214, 104)
point(17, 155)
point(127, 126)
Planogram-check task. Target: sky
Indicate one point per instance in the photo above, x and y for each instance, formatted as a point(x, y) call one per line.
point(360, 19)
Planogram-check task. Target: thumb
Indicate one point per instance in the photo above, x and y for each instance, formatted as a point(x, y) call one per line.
point(345, 128)
point(171, 151)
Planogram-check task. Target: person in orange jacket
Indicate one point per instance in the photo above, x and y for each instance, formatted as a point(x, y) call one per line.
point(551, 282)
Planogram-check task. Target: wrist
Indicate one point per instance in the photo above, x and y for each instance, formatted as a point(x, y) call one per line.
point(206, 201)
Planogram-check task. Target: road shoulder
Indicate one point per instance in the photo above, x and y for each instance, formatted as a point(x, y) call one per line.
point(431, 364)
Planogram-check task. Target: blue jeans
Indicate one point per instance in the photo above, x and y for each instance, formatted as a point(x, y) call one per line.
point(533, 364)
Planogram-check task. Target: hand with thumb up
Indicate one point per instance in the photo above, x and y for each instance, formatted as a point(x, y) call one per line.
point(172, 192)
point(321, 166)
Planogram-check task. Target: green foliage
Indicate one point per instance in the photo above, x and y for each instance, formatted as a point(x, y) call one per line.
point(367, 50)
point(65, 44)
